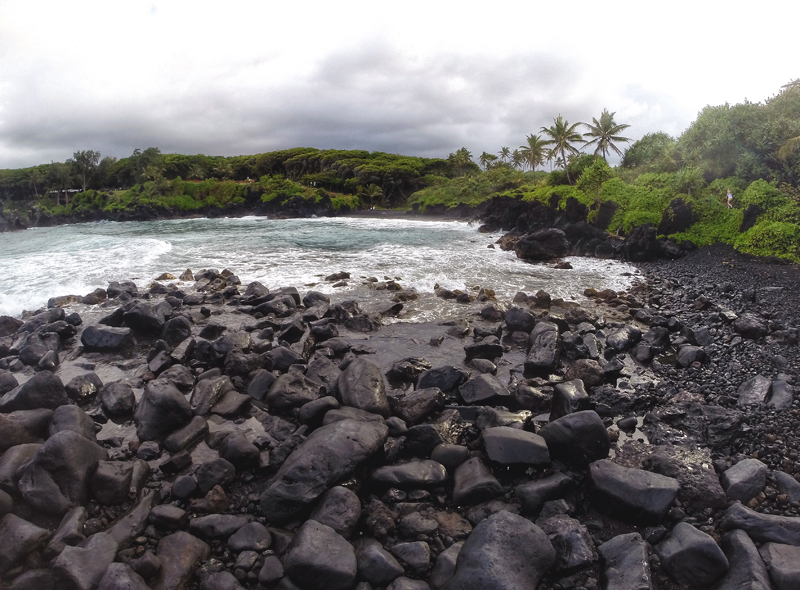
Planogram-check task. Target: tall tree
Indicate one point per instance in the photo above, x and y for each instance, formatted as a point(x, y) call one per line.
point(486, 160)
point(504, 153)
point(562, 135)
point(517, 159)
point(605, 132)
point(534, 152)
point(35, 178)
point(84, 165)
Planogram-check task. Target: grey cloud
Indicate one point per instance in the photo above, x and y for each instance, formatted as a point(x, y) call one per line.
point(373, 98)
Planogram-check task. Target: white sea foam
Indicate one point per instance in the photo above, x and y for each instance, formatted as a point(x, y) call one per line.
point(42, 263)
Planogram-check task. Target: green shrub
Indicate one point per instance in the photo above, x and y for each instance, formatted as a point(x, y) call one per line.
point(771, 238)
point(762, 193)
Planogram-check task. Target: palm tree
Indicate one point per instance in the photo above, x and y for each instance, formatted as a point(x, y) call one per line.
point(534, 153)
point(504, 153)
point(371, 191)
point(486, 160)
point(517, 159)
point(562, 136)
point(197, 172)
point(605, 132)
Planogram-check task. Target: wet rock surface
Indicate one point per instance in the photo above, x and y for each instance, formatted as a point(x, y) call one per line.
point(238, 436)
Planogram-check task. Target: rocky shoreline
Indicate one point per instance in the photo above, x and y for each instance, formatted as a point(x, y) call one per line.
point(228, 436)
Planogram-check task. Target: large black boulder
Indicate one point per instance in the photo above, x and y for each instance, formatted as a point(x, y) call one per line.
point(43, 390)
point(504, 552)
point(545, 244)
point(105, 338)
point(577, 439)
point(631, 494)
point(318, 558)
point(361, 385)
point(162, 410)
point(328, 455)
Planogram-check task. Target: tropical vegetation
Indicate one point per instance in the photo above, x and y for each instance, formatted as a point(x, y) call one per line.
point(753, 149)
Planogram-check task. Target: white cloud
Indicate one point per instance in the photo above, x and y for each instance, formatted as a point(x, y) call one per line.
point(418, 77)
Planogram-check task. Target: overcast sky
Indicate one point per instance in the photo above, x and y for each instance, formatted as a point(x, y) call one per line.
point(417, 78)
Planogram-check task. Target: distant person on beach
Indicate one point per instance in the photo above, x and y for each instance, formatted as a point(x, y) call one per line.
point(730, 199)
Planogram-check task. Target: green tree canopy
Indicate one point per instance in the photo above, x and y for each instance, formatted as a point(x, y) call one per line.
point(562, 135)
point(605, 134)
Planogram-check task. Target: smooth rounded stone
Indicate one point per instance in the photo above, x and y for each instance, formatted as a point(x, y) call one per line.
point(508, 445)
point(446, 378)
point(232, 405)
point(416, 554)
point(572, 542)
point(504, 552)
point(397, 427)
point(631, 494)
point(11, 461)
point(293, 389)
point(413, 406)
point(251, 537)
point(577, 439)
point(474, 483)
point(149, 450)
point(7, 383)
point(220, 581)
point(324, 371)
point(217, 526)
point(282, 358)
point(185, 437)
point(488, 348)
point(38, 579)
point(376, 565)
point(18, 538)
point(271, 571)
point(6, 503)
point(482, 389)
point(415, 474)
point(624, 338)
point(180, 376)
point(72, 418)
point(340, 509)
point(404, 583)
point(545, 348)
point(785, 483)
point(146, 318)
point(43, 390)
point(168, 517)
point(69, 532)
point(83, 566)
point(445, 566)
point(569, 397)
point(238, 450)
point(691, 557)
point(58, 477)
point(745, 480)
point(98, 338)
point(183, 487)
point(415, 524)
point(15, 430)
point(747, 569)
point(176, 330)
point(260, 384)
point(781, 395)
point(483, 366)
point(132, 524)
point(180, 554)
point(117, 399)
point(783, 565)
point(313, 411)
point(9, 325)
point(754, 391)
point(361, 385)
point(625, 562)
point(762, 528)
point(692, 467)
point(111, 482)
point(84, 387)
point(217, 472)
point(350, 413)
point(120, 576)
point(207, 392)
point(449, 455)
point(318, 558)
point(519, 319)
point(327, 456)
point(162, 410)
point(147, 565)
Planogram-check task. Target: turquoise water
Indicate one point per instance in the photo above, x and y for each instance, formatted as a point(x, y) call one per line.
point(76, 259)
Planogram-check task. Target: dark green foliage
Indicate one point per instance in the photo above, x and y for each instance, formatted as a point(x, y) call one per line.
point(655, 152)
point(771, 238)
point(470, 190)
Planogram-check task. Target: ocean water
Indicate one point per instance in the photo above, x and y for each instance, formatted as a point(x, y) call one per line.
point(76, 259)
